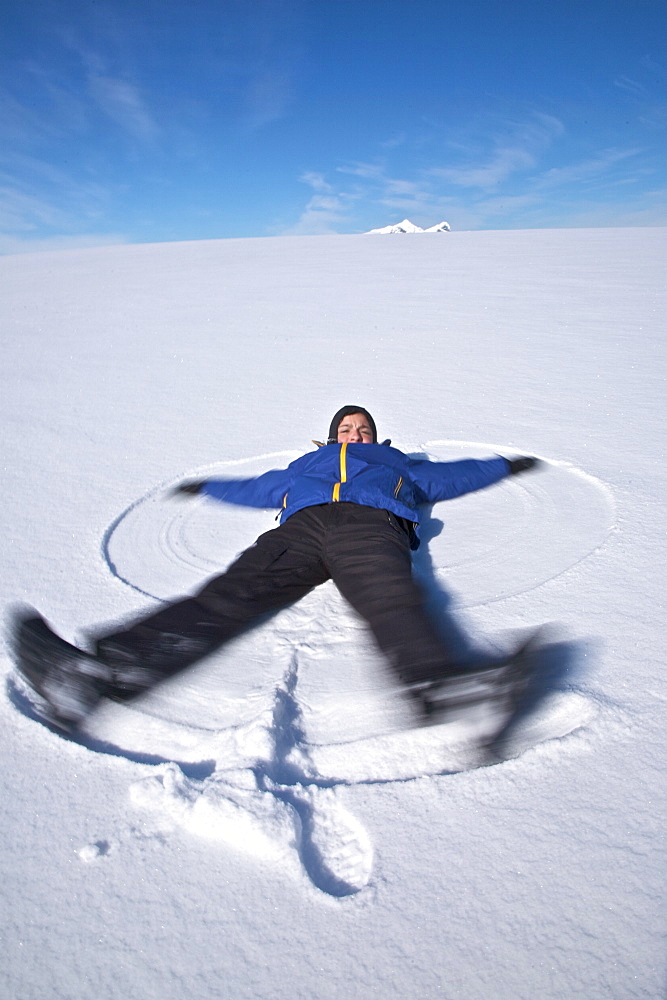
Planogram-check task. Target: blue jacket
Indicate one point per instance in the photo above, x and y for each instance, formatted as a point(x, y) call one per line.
point(373, 475)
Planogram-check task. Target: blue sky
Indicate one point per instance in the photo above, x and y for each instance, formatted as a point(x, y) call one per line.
point(156, 120)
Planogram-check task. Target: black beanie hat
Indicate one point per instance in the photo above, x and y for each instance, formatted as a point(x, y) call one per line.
point(346, 411)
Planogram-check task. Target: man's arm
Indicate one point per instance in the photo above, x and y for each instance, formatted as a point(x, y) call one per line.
point(266, 490)
point(447, 480)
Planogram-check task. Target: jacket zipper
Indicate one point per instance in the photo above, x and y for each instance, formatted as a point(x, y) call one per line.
point(343, 472)
point(282, 509)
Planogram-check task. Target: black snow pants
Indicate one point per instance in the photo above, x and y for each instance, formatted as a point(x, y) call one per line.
point(364, 550)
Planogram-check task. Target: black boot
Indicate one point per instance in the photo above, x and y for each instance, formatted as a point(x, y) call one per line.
point(493, 691)
point(129, 672)
point(70, 681)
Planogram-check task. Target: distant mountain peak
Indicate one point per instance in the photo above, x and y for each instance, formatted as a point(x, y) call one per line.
point(408, 227)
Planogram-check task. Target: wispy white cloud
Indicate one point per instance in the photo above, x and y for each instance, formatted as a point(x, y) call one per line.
point(65, 99)
point(429, 194)
point(632, 86)
point(369, 171)
point(326, 212)
point(264, 58)
point(116, 95)
point(591, 169)
point(268, 96)
point(654, 117)
point(123, 102)
point(518, 150)
point(398, 192)
point(48, 181)
point(487, 176)
point(644, 93)
point(322, 216)
point(500, 179)
point(67, 109)
point(24, 212)
point(26, 218)
point(395, 141)
point(647, 209)
point(41, 202)
point(332, 207)
point(22, 126)
point(424, 208)
point(395, 186)
point(64, 206)
point(316, 180)
point(18, 168)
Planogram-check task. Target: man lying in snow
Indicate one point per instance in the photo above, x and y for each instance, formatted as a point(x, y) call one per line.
point(350, 513)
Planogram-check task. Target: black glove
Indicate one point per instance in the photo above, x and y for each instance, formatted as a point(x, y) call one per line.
point(188, 489)
point(522, 464)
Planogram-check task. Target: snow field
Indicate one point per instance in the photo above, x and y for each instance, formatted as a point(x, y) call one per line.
point(259, 828)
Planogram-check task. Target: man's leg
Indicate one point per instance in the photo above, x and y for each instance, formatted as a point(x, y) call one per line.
point(282, 566)
point(368, 556)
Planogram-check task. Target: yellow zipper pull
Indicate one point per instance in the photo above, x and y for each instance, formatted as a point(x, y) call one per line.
point(343, 472)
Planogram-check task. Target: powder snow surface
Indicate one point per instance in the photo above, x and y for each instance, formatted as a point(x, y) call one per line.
point(264, 827)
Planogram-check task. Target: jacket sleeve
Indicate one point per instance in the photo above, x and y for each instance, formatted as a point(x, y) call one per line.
point(266, 490)
point(435, 481)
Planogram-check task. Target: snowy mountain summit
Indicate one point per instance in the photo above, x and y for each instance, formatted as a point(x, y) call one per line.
point(408, 227)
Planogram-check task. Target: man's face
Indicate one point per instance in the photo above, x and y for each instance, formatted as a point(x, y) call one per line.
point(355, 429)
